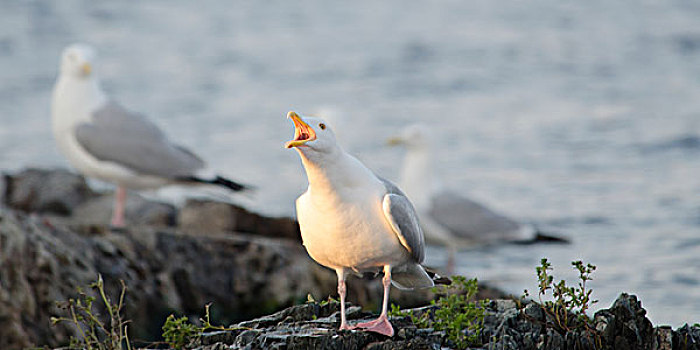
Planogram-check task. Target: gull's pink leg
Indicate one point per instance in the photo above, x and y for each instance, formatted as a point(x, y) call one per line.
point(341, 291)
point(381, 325)
point(119, 203)
point(451, 258)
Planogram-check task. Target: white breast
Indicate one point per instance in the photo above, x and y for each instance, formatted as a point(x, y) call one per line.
point(348, 229)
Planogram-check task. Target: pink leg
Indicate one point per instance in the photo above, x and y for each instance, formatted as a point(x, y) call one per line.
point(381, 325)
point(119, 203)
point(341, 291)
point(451, 258)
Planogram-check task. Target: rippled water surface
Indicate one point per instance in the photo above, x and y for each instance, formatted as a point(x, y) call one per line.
point(582, 118)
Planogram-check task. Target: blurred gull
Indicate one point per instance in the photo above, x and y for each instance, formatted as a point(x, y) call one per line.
point(448, 218)
point(103, 140)
point(353, 221)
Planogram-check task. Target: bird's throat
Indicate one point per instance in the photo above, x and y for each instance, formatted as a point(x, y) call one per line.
point(330, 174)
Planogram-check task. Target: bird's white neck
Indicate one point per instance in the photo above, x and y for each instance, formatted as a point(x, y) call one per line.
point(76, 97)
point(73, 102)
point(334, 171)
point(417, 178)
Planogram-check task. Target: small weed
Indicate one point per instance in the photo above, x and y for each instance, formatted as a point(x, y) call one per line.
point(178, 332)
point(310, 299)
point(457, 314)
point(93, 332)
point(567, 301)
point(397, 312)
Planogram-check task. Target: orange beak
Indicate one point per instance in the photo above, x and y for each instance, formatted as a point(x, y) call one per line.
point(86, 68)
point(303, 133)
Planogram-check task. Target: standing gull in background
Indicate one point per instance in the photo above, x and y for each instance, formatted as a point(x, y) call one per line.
point(105, 141)
point(353, 221)
point(447, 218)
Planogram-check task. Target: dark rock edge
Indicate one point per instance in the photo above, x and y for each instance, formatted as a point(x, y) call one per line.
point(508, 324)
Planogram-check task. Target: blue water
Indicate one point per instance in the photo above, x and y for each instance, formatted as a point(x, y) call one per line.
point(583, 118)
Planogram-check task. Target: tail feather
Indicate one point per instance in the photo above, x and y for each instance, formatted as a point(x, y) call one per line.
point(437, 279)
point(219, 181)
point(538, 236)
point(411, 276)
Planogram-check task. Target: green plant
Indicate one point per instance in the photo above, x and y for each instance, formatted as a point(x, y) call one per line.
point(570, 303)
point(310, 299)
point(455, 312)
point(396, 311)
point(178, 332)
point(93, 332)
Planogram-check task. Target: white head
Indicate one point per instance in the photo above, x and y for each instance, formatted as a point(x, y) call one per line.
point(413, 137)
point(333, 116)
point(78, 61)
point(312, 136)
point(417, 176)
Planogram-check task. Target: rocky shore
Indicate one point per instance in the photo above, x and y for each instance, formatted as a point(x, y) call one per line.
point(507, 325)
point(54, 238)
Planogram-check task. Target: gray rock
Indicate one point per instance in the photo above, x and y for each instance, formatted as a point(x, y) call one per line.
point(534, 311)
point(45, 191)
point(63, 193)
point(301, 327)
point(625, 324)
point(502, 305)
point(663, 338)
point(208, 216)
point(3, 189)
point(687, 337)
point(138, 211)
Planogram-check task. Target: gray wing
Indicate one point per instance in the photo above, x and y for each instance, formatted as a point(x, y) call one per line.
point(403, 218)
point(129, 139)
point(472, 220)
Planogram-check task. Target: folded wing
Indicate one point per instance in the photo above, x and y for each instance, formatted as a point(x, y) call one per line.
point(130, 140)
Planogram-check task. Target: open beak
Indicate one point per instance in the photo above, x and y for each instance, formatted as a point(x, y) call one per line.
point(87, 69)
point(303, 133)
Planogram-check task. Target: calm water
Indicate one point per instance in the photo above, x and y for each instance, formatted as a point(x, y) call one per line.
point(582, 118)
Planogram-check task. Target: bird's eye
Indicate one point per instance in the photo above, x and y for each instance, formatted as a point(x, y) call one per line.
point(322, 126)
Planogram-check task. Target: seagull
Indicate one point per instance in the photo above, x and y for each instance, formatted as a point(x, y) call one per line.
point(353, 221)
point(103, 140)
point(448, 218)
